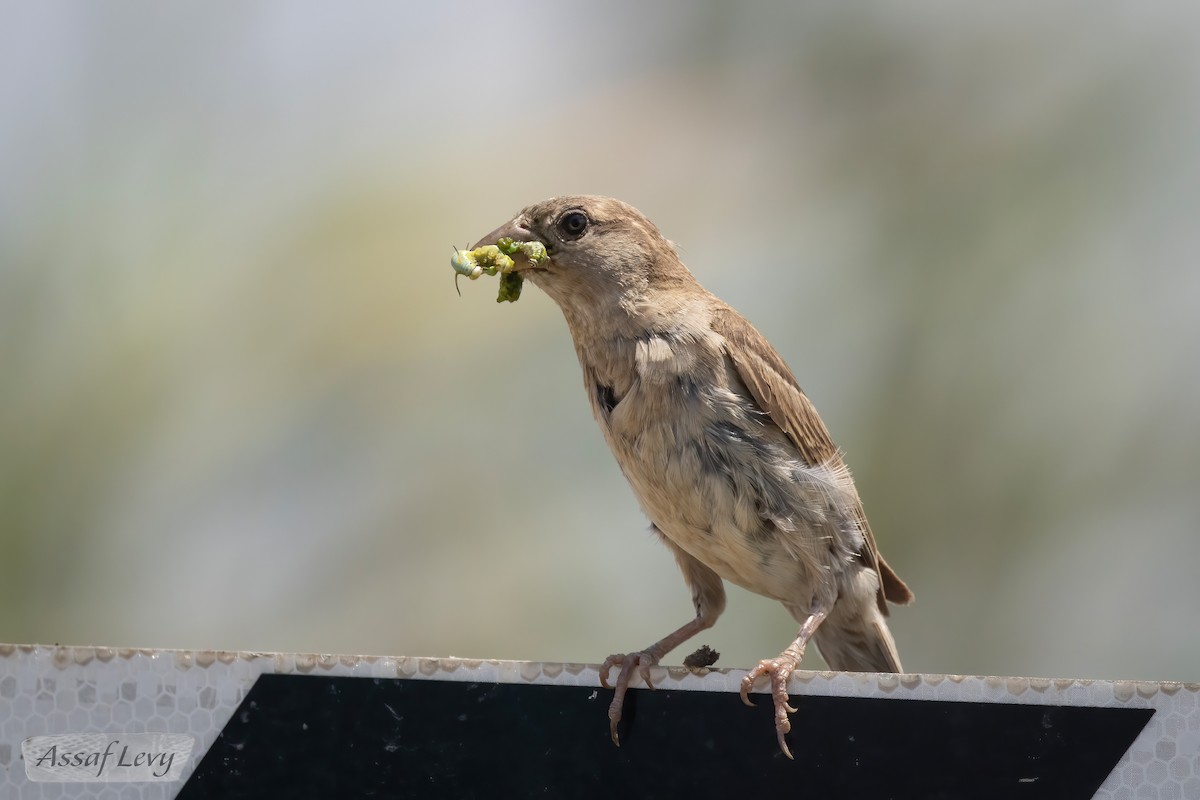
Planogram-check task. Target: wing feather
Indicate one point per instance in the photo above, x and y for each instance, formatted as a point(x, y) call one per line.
point(774, 388)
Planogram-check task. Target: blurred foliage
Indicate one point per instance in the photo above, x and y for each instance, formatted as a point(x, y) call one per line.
point(243, 406)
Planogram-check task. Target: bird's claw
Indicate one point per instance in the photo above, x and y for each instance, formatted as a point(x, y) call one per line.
point(640, 661)
point(780, 669)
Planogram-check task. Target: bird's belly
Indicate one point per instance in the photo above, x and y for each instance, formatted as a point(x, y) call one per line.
point(711, 517)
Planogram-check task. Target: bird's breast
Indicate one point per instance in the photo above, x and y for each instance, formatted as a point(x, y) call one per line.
point(710, 469)
point(715, 481)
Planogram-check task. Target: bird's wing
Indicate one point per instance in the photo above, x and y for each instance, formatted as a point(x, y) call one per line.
point(776, 391)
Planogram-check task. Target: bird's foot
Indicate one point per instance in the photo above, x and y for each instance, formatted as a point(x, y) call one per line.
point(780, 669)
point(641, 662)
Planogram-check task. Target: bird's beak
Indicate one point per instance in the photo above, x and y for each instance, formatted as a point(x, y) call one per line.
point(510, 230)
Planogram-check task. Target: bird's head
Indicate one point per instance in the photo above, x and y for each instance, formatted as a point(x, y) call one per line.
point(604, 255)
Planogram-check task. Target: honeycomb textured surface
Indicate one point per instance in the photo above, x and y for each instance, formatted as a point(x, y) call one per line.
point(59, 690)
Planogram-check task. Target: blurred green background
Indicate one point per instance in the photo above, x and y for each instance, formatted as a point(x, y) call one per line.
point(243, 407)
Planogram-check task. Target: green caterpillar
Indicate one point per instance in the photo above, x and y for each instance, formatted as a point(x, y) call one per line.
point(496, 258)
point(534, 251)
point(510, 288)
point(474, 263)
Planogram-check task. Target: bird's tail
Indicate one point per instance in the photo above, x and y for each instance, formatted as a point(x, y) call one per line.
point(855, 641)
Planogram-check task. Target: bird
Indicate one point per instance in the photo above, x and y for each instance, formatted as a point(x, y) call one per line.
point(725, 453)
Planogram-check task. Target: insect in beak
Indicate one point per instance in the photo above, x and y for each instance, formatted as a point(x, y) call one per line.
point(463, 265)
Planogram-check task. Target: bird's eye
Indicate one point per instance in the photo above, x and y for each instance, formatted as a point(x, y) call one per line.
point(572, 224)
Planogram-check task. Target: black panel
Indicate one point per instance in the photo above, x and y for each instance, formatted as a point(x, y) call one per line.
point(298, 736)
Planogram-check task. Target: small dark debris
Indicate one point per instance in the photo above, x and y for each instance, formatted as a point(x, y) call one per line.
point(704, 656)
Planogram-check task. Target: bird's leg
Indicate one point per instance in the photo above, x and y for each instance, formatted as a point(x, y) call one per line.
point(641, 661)
point(708, 597)
point(780, 669)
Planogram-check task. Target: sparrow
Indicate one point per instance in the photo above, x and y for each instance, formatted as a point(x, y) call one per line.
point(725, 453)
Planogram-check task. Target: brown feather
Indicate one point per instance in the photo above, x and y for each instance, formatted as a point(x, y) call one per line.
point(777, 393)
